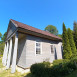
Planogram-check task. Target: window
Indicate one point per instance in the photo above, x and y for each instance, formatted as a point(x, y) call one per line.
point(38, 48)
point(52, 48)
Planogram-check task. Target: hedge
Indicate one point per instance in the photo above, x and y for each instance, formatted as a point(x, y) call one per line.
point(59, 69)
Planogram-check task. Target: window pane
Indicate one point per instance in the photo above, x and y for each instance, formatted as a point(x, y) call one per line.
point(38, 44)
point(52, 48)
point(37, 50)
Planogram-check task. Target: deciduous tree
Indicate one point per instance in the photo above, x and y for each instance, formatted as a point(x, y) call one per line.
point(52, 29)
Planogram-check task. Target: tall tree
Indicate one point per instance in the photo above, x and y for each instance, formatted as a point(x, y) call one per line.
point(52, 29)
point(75, 33)
point(66, 46)
point(71, 41)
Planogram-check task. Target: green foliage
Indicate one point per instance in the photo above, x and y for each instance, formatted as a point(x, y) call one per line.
point(52, 29)
point(61, 69)
point(75, 33)
point(0, 35)
point(71, 41)
point(1, 48)
point(3, 37)
point(57, 62)
point(2, 43)
point(60, 35)
point(40, 69)
point(66, 46)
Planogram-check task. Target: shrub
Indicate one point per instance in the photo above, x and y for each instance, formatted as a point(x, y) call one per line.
point(59, 69)
point(57, 62)
point(40, 69)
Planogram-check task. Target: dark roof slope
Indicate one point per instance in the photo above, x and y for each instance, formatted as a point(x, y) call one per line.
point(24, 26)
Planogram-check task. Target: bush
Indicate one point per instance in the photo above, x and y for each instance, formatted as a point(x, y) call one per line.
point(57, 62)
point(59, 69)
point(40, 69)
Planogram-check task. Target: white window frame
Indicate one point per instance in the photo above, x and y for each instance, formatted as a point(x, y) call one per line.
point(40, 48)
point(53, 48)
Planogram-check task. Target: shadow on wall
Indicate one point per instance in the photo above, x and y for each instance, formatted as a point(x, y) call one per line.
point(20, 49)
point(62, 51)
point(55, 54)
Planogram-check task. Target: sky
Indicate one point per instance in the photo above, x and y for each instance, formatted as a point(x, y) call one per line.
point(38, 13)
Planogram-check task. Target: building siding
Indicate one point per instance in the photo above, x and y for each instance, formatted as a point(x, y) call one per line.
point(11, 29)
point(46, 55)
point(21, 57)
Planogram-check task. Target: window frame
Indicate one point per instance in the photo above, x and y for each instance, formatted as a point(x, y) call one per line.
point(51, 49)
point(40, 48)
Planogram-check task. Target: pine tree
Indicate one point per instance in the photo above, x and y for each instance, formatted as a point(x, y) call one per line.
point(71, 41)
point(75, 33)
point(66, 46)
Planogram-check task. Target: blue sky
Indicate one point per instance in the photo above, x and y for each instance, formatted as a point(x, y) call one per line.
point(38, 13)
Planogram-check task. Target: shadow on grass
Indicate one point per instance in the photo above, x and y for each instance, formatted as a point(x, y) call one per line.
point(29, 75)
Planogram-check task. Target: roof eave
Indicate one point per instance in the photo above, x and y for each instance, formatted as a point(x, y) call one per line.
point(37, 34)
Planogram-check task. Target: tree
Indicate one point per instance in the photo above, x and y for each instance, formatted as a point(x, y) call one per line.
point(52, 29)
point(1, 45)
point(3, 37)
point(75, 33)
point(71, 41)
point(2, 48)
point(59, 35)
point(0, 35)
point(66, 46)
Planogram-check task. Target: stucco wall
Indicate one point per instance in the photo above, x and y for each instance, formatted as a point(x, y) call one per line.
point(32, 58)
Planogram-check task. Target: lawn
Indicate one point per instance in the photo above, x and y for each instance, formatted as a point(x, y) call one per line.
point(6, 73)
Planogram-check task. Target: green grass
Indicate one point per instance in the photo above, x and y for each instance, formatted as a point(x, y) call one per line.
point(1, 63)
point(7, 73)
